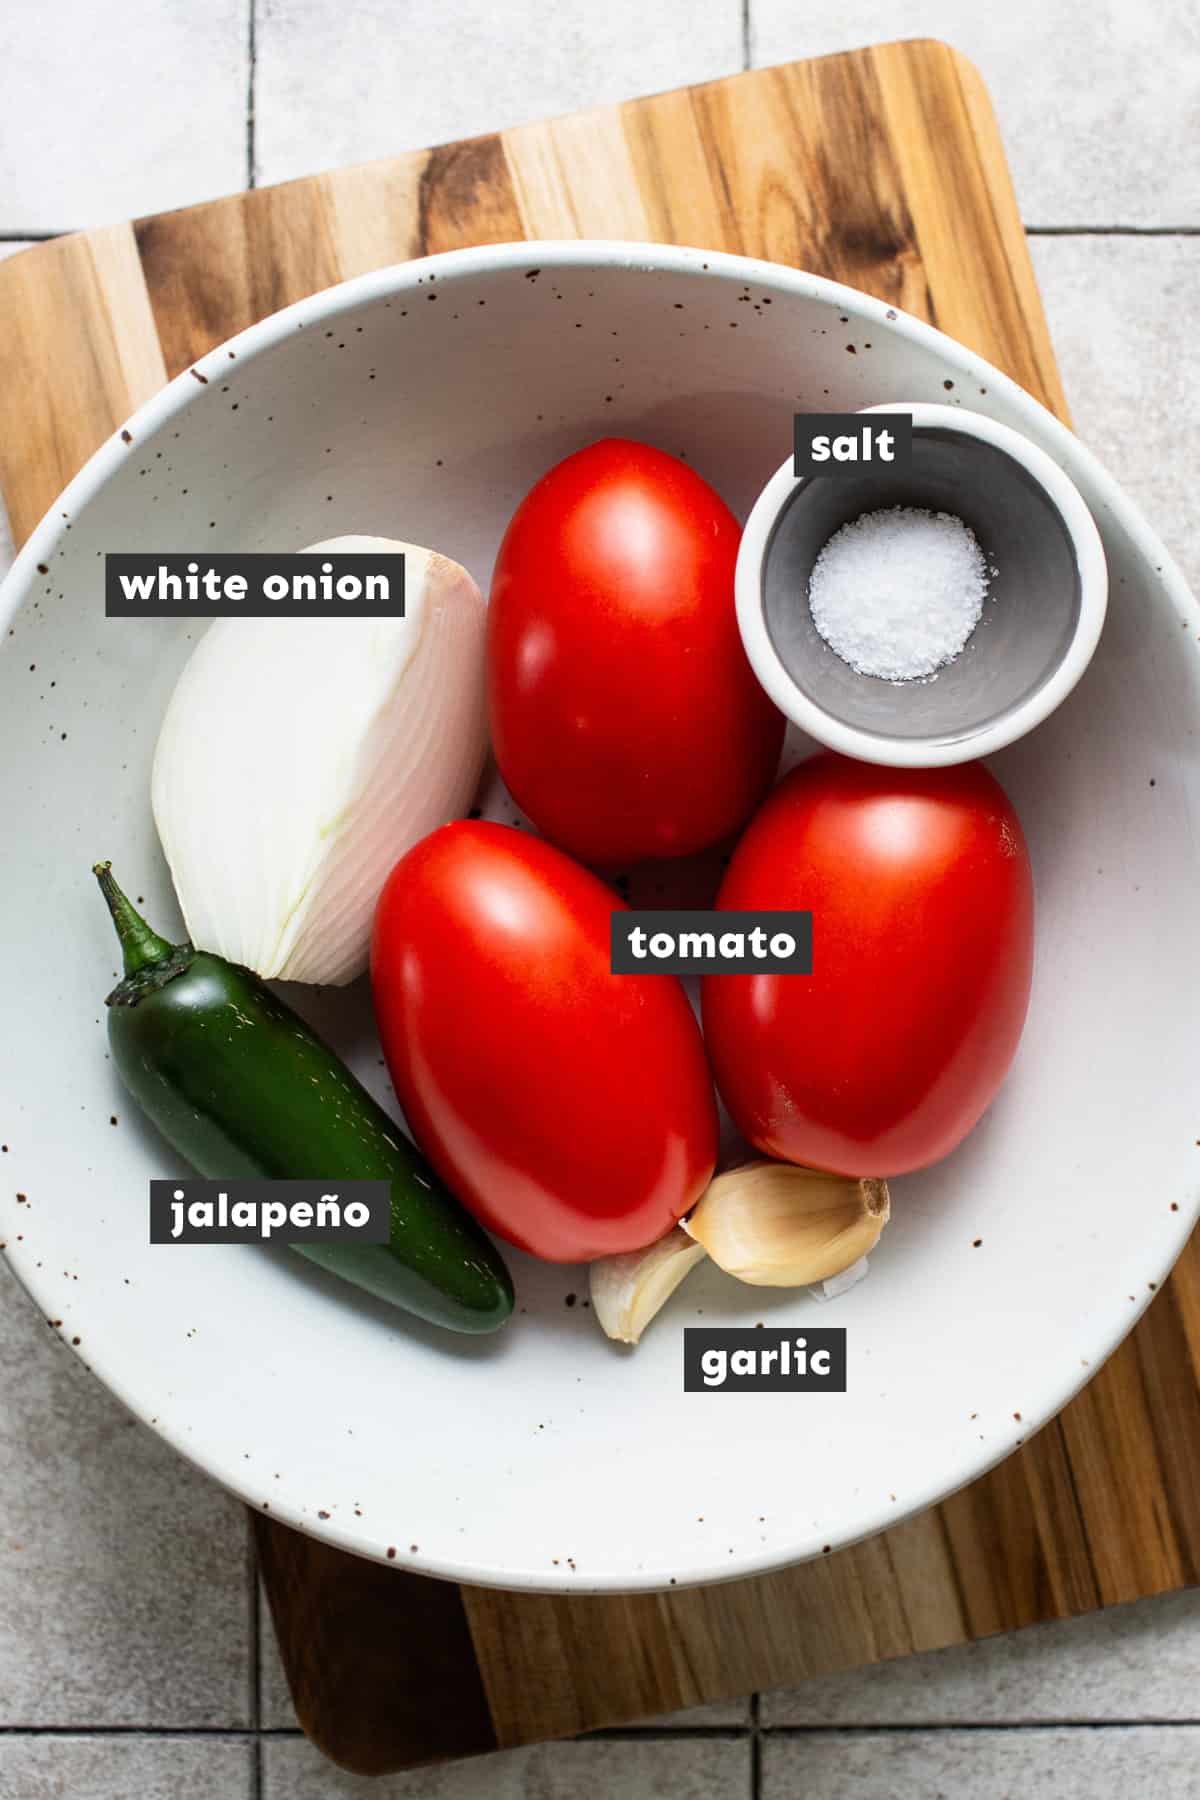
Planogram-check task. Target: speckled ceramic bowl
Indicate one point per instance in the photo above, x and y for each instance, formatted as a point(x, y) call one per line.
point(422, 402)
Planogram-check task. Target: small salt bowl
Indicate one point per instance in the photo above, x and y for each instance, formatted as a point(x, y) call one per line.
point(1041, 620)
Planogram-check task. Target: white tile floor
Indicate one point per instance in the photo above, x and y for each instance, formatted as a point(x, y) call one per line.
point(131, 1660)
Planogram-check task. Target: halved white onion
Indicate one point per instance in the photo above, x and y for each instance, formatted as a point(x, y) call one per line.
point(299, 758)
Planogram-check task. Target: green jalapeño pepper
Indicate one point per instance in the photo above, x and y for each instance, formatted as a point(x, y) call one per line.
point(239, 1085)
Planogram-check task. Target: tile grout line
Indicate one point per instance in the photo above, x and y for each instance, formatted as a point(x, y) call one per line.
point(1062, 231)
point(630, 1733)
point(756, 1787)
point(967, 1727)
point(251, 86)
point(1147, 231)
point(201, 1733)
point(760, 1732)
point(255, 1637)
point(746, 62)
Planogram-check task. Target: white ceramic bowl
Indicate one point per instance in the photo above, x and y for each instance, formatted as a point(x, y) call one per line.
point(1039, 629)
point(422, 402)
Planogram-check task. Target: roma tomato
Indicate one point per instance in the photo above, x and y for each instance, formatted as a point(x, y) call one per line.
point(624, 714)
point(884, 1057)
point(570, 1108)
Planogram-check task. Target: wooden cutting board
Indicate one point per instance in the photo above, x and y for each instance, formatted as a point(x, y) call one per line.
point(882, 168)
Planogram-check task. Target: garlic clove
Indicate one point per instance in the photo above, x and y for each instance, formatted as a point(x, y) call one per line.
point(300, 758)
point(628, 1290)
point(779, 1225)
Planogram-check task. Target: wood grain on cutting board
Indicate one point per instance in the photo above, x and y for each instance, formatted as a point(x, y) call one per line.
point(882, 168)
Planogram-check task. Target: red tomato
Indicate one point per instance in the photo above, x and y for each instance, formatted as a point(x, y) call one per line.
point(625, 717)
point(570, 1108)
point(884, 1057)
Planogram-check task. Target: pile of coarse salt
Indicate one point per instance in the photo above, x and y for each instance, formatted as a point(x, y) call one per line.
point(897, 593)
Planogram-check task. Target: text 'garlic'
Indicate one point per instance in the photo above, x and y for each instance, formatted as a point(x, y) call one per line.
point(628, 1290)
point(778, 1225)
point(300, 758)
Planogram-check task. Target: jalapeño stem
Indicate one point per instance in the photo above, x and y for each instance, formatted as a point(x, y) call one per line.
point(140, 947)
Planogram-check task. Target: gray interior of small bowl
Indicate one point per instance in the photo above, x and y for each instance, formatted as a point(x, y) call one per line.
point(1028, 620)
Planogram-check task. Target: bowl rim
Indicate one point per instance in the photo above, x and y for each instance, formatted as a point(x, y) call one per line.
point(649, 258)
point(943, 750)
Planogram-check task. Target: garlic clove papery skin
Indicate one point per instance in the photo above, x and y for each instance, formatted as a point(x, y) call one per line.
point(628, 1290)
point(776, 1224)
point(300, 758)
point(834, 1286)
